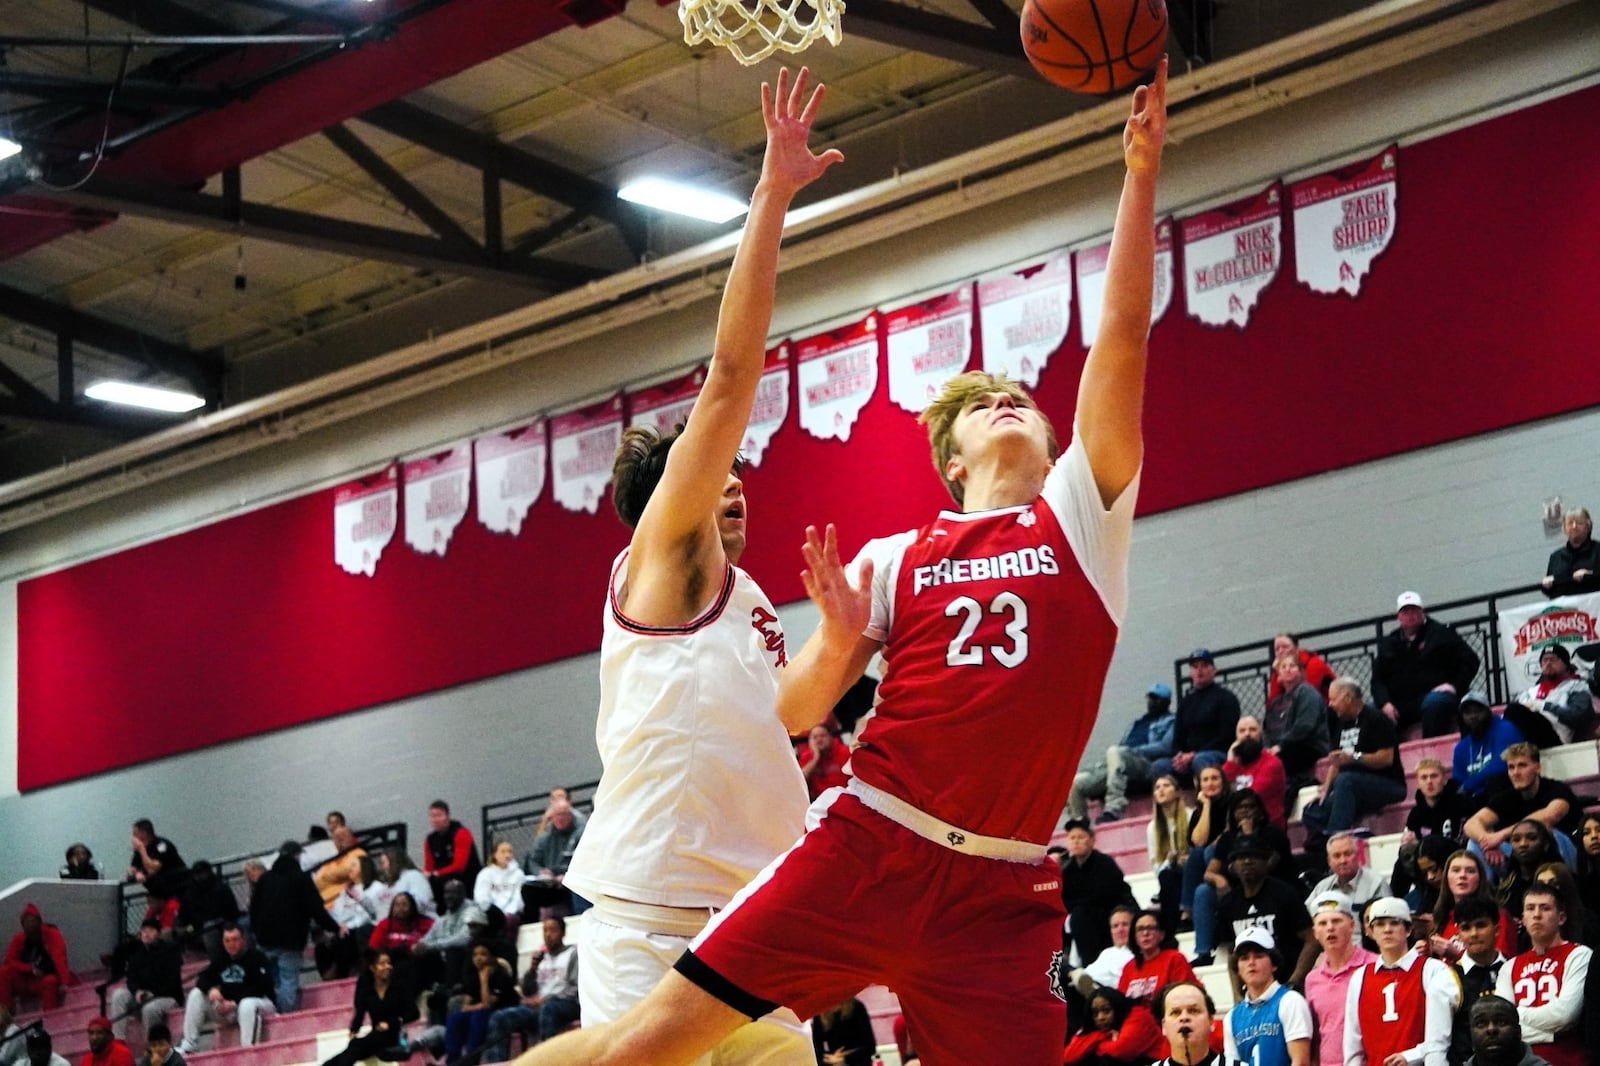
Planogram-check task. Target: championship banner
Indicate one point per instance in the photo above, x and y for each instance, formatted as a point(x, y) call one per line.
point(1091, 271)
point(1343, 221)
point(929, 343)
point(582, 446)
point(666, 406)
point(365, 512)
point(510, 475)
point(838, 373)
point(436, 491)
point(771, 405)
point(1024, 315)
point(1230, 255)
point(1525, 632)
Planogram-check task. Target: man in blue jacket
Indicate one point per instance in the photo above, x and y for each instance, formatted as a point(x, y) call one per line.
point(1476, 763)
point(1129, 764)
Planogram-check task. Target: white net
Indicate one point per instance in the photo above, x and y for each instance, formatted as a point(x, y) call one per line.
point(754, 29)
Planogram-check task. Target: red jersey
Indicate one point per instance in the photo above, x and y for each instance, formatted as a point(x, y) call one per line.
point(1142, 978)
point(1391, 1009)
point(1548, 991)
point(998, 628)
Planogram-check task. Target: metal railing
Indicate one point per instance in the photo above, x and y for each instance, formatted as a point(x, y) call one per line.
point(517, 820)
point(133, 900)
point(1351, 647)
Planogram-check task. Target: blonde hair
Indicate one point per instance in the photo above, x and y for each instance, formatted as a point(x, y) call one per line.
point(940, 417)
point(1522, 749)
point(1171, 837)
point(1429, 763)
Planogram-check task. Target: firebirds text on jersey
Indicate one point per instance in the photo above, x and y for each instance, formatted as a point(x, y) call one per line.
point(1023, 562)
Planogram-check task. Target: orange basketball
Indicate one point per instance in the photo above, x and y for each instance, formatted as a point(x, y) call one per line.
point(1094, 46)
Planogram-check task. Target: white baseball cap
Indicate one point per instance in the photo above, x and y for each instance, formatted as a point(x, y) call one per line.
point(1388, 907)
point(1257, 936)
point(1408, 599)
point(1331, 901)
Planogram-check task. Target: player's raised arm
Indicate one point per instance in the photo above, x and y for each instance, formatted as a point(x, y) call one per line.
point(697, 466)
point(1111, 392)
point(837, 653)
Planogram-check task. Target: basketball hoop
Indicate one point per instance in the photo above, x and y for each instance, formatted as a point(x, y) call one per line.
point(754, 29)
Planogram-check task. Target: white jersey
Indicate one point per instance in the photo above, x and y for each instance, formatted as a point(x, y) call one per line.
point(700, 789)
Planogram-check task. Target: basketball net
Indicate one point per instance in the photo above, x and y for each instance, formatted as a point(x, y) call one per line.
point(754, 29)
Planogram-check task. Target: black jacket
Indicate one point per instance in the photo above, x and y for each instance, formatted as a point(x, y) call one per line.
point(1406, 670)
point(157, 969)
point(248, 976)
point(1565, 559)
point(284, 905)
point(1206, 720)
point(1447, 818)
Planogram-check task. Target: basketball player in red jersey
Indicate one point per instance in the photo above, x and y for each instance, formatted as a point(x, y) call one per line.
point(1399, 1010)
point(998, 623)
point(1547, 982)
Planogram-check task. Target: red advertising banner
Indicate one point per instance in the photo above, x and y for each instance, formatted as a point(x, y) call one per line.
point(1230, 255)
point(364, 517)
point(838, 373)
point(1343, 221)
point(1025, 315)
point(929, 342)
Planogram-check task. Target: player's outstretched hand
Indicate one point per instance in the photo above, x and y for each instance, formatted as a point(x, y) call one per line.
point(1142, 137)
point(845, 607)
point(790, 163)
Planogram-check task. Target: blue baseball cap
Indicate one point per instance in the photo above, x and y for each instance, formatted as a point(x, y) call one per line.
point(1160, 691)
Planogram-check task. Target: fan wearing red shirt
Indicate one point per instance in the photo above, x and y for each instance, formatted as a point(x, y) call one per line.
point(822, 760)
point(1154, 965)
point(1546, 982)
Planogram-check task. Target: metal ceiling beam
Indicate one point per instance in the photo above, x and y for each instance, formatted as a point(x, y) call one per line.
point(21, 388)
point(964, 42)
point(415, 200)
point(90, 91)
point(160, 16)
point(301, 13)
point(203, 370)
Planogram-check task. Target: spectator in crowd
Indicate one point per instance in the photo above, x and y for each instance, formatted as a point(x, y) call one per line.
point(1119, 1031)
point(1546, 983)
point(282, 909)
point(1530, 795)
point(442, 953)
point(1213, 798)
point(1425, 876)
point(1264, 902)
point(822, 759)
point(485, 987)
point(1167, 837)
point(1203, 729)
point(41, 1052)
point(1254, 766)
point(1314, 667)
point(1558, 706)
point(550, 858)
point(157, 865)
point(499, 884)
point(35, 963)
point(13, 1041)
point(344, 869)
point(549, 996)
point(154, 980)
point(1422, 666)
point(397, 873)
point(1333, 924)
point(1348, 875)
point(1574, 567)
point(1186, 1015)
point(1478, 928)
point(1495, 1035)
point(1401, 1004)
point(1295, 724)
point(104, 1048)
point(1247, 818)
point(1364, 772)
point(842, 1035)
point(236, 987)
point(1270, 1023)
point(80, 864)
point(1466, 878)
point(158, 1049)
point(340, 957)
point(319, 848)
point(1477, 761)
point(387, 1002)
point(1128, 765)
point(450, 851)
point(1588, 868)
point(1155, 963)
point(206, 905)
point(1091, 884)
point(335, 821)
point(1531, 847)
point(1438, 810)
point(563, 795)
point(1105, 970)
point(398, 934)
point(1581, 926)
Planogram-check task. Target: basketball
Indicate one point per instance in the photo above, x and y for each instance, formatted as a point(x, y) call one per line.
point(1094, 46)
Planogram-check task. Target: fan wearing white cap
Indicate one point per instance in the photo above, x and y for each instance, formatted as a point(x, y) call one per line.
point(1271, 1025)
point(1400, 1009)
point(1421, 669)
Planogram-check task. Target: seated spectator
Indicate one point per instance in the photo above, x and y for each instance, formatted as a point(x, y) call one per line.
point(1252, 765)
point(1391, 1009)
point(500, 885)
point(80, 865)
point(318, 849)
point(822, 759)
point(1581, 926)
point(1203, 728)
point(1558, 707)
point(449, 851)
point(1574, 568)
point(13, 1049)
point(1106, 968)
point(1426, 878)
point(1091, 884)
point(1128, 766)
point(154, 981)
point(1207, 822)
point(398, 934)
point(1348, 875)
point(1476, 762)
point(1120, 1031)
point(236, 988)
point(105, 1049)
point(396, 874)
point(205, 906)
point(1264, 902)
point(1465, 878)
point(344, 869)
point(1495, 1035)
point(1364, 772)
point(549, 859)
point(157, 865)
point(1546, 982)
point(1167, 837)
point(40, 1051)
point(549, 996)
point(158, 1049)
point(1295, 724)
point(1270, 1023)
point(487, 986)
point(1438, 809)
point(1247, 818)
point(1333, 924)
point(562, 795)
point(1531, 848)
point(1186, 1015)
point(1315, 668)
point(340, 956)
point(35, 963)
point(1421, 668)
point(1531, 795)
point(441, 955)
point(1478, 968)
point(842, 1035)
point(387, 1002)
point(1156, 962)
point(1588, 868)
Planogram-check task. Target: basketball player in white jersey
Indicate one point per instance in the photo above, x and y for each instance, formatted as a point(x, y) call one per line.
point(701, 788)
point(997, 623)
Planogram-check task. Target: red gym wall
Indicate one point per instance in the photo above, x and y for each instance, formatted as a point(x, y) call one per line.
point(1482, 314)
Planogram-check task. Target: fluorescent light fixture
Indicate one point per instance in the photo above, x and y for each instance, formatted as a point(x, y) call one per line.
point(143, 396)
point(8, 148)
point(683, 199)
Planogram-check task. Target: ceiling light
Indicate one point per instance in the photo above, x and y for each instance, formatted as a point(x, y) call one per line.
point(683, 199)
point(143, 396)
point(8, 148)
